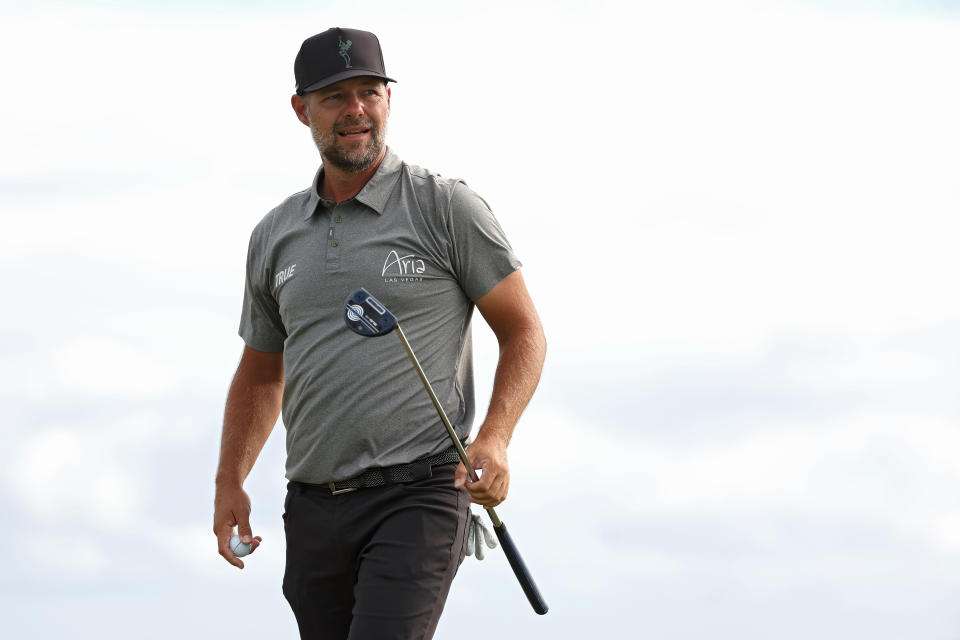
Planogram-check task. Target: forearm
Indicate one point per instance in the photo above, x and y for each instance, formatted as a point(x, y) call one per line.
point(253, 405)
point(508, 310)
point(517, 375)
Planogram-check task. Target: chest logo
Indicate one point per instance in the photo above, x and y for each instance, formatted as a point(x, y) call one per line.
point(283, 276)
point(397, 268)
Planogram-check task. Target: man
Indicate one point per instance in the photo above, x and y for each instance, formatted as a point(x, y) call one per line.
point(376, 511)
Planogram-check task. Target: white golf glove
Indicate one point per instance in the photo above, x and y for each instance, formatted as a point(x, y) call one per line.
point(478, 534)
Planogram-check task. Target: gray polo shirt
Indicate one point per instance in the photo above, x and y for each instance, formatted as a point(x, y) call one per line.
point(427, 247)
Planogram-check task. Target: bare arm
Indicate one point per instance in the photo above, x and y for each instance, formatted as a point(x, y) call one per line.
point(509, 311)
point(253, 405)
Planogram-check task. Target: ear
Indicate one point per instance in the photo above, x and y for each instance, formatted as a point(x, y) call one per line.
point(388, 100)
point(299, 105)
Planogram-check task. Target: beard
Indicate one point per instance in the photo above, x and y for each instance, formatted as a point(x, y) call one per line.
point(356, 157)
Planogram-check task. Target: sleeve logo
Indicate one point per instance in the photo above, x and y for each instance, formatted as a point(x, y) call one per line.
point(283, 276)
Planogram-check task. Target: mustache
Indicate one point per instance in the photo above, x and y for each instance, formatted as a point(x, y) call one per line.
point(366, 123)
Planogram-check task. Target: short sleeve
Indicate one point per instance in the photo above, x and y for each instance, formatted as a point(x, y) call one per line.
point(481, 254)
point(260, 324)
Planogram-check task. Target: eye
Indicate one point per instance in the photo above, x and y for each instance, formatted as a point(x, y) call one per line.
point(332, 96)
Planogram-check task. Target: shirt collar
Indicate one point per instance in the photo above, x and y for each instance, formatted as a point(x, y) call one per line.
point(374, 194)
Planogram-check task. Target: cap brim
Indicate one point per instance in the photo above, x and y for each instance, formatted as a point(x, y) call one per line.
point(343, 75)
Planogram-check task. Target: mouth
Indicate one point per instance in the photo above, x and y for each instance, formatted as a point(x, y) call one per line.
point(350, 133)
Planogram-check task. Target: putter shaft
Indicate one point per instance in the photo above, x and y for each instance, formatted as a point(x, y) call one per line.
point(446, 421)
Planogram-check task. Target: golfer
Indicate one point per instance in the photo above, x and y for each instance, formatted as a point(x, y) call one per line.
point(377, 505)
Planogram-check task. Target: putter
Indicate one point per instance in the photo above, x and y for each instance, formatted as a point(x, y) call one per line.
point(368, 317)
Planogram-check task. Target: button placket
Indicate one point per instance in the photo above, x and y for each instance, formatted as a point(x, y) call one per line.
point(333, 243)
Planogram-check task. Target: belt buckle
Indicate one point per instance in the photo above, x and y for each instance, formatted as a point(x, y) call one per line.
point(420, 470)
point(334, 491)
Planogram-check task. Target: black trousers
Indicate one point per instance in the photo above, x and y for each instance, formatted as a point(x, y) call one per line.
point(373, 564)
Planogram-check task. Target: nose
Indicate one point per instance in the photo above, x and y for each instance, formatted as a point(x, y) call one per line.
point(353, 105)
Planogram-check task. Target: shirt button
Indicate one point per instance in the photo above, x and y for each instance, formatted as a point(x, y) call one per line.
point(334, 244)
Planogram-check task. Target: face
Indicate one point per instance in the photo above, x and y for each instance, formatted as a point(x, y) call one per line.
point(348, 121)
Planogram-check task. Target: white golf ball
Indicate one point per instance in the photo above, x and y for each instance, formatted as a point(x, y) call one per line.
point(239, 548)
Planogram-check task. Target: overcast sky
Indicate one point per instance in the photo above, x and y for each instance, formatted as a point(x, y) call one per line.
point(738, 223)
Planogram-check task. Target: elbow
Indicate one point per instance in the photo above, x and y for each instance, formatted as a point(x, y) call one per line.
point(535, 344)
point(541, 342)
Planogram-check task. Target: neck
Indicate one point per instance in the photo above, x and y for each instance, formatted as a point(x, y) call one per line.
point(339, 185)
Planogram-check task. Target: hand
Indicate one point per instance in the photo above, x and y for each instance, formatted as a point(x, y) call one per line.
point(231, 508)
point(489, 460)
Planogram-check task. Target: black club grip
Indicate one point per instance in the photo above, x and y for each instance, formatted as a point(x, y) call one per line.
point(520, 569)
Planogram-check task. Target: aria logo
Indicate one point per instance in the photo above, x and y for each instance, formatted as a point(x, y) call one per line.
point(397, 268)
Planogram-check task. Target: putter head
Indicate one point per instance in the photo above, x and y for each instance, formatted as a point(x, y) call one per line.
point(366, 316)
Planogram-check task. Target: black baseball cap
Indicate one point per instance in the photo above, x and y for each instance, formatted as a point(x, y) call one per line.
point(335, 55)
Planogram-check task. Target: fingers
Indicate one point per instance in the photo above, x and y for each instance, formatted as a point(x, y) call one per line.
point(460, 477)
point(254, 543)
point(492, 487)
point(223, 546)
point(490, 464)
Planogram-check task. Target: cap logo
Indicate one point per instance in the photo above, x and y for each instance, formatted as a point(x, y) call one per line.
point(344, 48)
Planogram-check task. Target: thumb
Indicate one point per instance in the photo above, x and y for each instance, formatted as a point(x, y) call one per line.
point(243, 528)
point(460, 478)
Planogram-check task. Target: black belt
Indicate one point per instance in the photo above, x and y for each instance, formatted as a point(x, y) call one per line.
point(379, 476)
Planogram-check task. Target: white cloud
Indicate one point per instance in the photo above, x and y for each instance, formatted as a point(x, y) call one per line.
point(67, 554)
point(894, 470)
point(95, 471)
point(110, 369)
point(71, 476)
